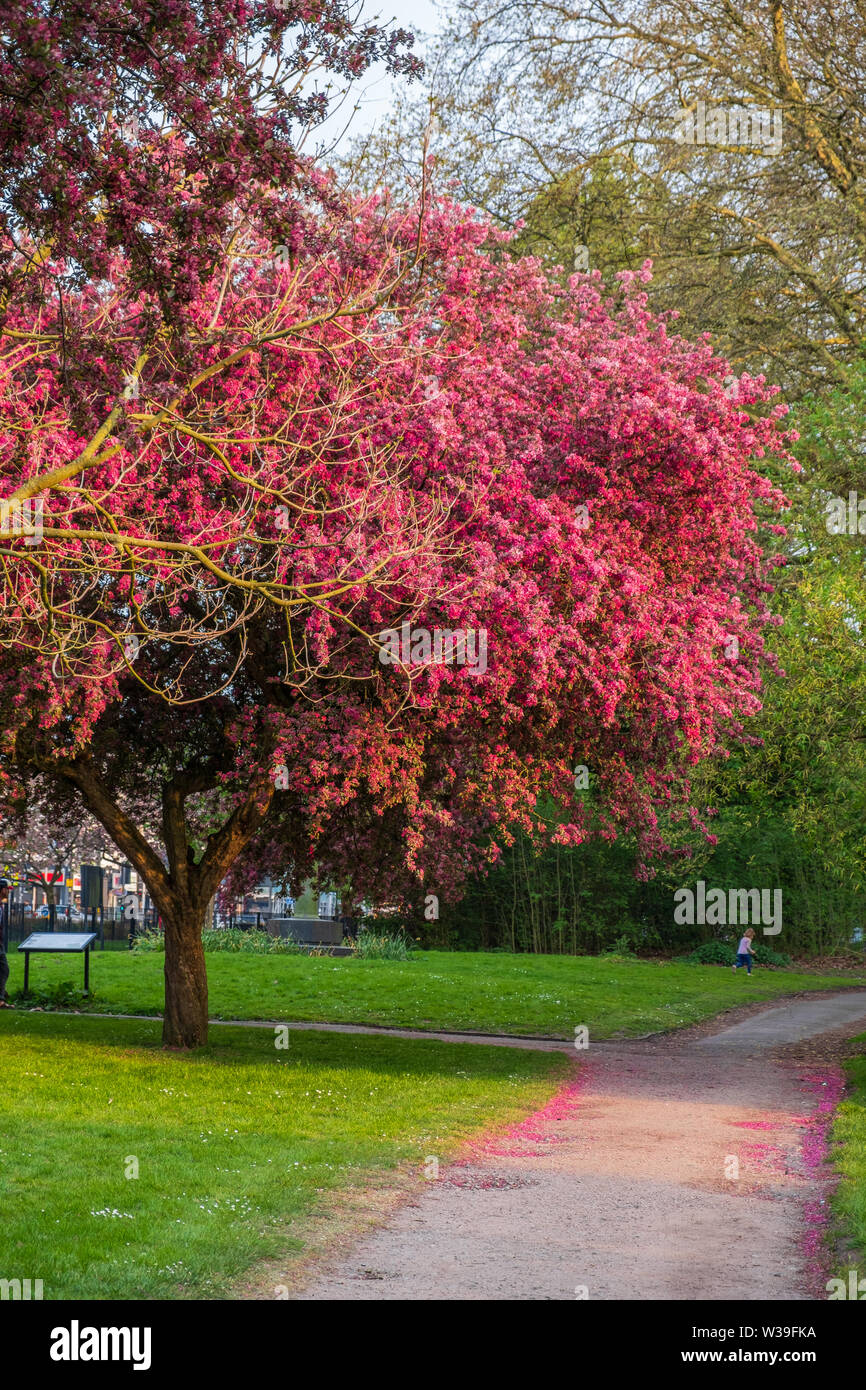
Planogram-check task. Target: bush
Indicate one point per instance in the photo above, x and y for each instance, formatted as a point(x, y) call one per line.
point(382, 946)
point(723, 953)
point(621, 949)
point(63, 994)
point(765, 955)
point(254, 943)
point(148, 941)
point(712, 953)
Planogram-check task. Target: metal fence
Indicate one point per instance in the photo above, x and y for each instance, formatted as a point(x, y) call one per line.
point(112, 927)
point(257, 920)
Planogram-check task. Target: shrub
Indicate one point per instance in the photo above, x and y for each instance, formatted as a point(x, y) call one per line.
point(724, 953)
point(63, 994)
point(382, 946)
point(255, 943)
point(620, 949)
point(712, 953)
point(148, 941)
point(765, 955)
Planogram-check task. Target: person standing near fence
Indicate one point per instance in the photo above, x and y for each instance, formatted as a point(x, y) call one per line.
point(5, 885)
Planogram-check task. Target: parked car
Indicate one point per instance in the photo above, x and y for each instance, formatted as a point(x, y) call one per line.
point(61, 914)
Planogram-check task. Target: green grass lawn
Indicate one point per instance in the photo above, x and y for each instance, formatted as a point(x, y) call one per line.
point(236, 1145)
point(489, 993)
point(849, 1131)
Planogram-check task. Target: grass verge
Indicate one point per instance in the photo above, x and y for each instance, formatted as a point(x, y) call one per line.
point(237, 1148)
point(487, 993)
point(849, 1134)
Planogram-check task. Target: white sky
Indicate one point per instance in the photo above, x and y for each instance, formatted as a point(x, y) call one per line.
point(373, 92)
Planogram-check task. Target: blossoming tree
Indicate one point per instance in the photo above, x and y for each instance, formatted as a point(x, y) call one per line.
point(380, 422)
point(491, 452)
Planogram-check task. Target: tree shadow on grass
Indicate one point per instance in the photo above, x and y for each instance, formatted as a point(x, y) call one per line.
point(230, 1045)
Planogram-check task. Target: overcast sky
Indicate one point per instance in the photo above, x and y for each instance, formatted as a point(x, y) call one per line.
point(374, 91)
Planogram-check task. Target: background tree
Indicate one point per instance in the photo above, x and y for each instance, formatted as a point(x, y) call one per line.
point(568, 117)
point(47, 846)
point(784, 810)
point(762, 246)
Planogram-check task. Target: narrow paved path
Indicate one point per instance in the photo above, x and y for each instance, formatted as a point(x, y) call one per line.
point(787, 1024)
point(688, 1166)
point(489, 1039)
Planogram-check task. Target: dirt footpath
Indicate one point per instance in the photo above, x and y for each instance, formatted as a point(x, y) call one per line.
point(689, 1166)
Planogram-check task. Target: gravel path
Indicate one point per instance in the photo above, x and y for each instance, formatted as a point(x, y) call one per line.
point(687, 1166)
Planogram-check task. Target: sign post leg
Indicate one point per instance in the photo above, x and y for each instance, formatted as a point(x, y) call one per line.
point(87, 970)
point(26, 972)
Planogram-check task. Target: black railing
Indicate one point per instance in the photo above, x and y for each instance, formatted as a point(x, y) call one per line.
point(110, 924)
point(256, 919)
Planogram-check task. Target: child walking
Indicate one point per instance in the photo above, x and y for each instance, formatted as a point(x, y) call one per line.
point(744, 952)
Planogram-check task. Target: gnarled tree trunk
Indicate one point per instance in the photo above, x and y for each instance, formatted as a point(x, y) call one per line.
point(184, 888)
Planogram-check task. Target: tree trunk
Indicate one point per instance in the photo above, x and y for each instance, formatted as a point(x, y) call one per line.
point(186, 1004)
point(181, 888)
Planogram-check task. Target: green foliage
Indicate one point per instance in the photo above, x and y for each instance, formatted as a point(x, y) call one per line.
point(373, 945)
point(149, 941)
point(720, 953)
point(59, 994)
point(832, 445)
point(253, 943)
point(711, 953)
point(621, 949)
point(767, 955)
point(598, 209)
point(562, 901)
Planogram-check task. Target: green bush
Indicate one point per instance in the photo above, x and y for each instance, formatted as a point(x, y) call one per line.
point(765, 955)
point(724, 953)
point(61, 995)
point(382, 946)
point(254, 943)
point(712, 953)
point(148, 941)
point(621, 949)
